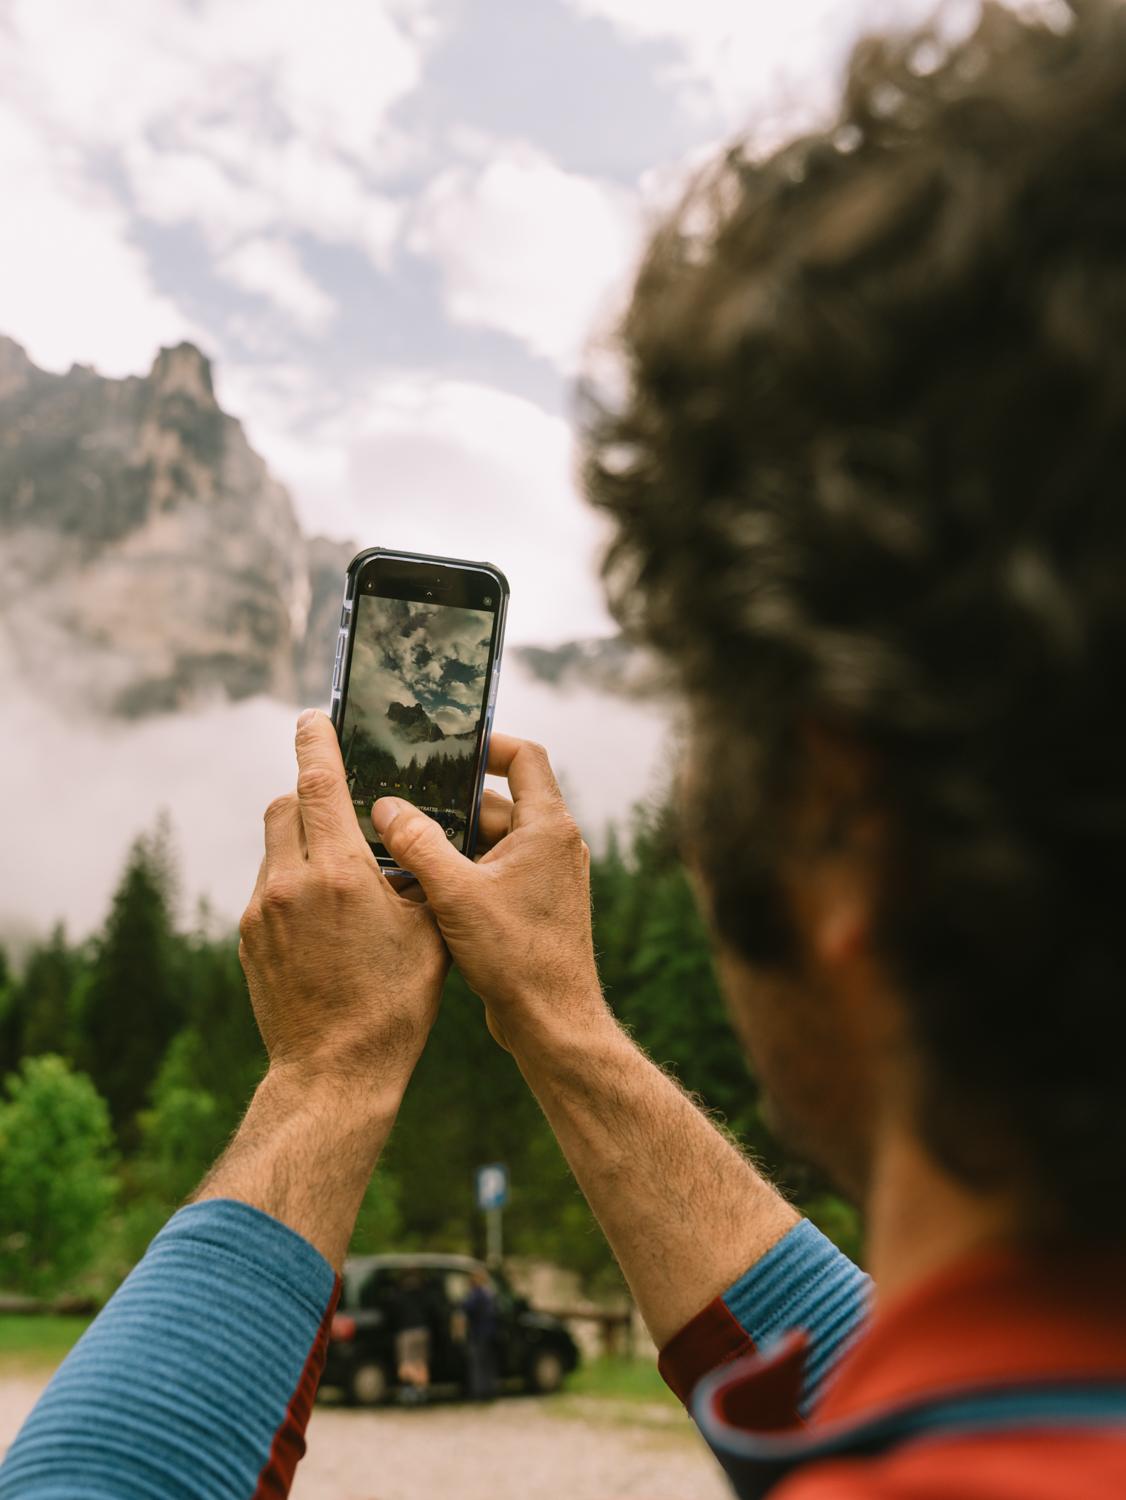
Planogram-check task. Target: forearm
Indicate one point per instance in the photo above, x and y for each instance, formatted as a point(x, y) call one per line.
point(304, 1154)
point(198, 1377)
point(214, 1346)
point(683, 1209)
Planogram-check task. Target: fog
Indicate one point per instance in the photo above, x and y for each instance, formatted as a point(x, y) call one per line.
point(75, 793)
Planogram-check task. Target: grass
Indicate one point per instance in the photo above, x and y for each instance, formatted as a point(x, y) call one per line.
point(621, 1379)
point(37, 1340)
point(625, 1393)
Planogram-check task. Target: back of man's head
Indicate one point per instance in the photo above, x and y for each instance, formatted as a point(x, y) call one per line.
point(869, 477)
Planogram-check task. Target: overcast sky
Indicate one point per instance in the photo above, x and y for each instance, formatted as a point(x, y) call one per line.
point(391, 223)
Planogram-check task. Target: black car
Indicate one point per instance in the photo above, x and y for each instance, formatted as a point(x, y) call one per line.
point(533, 1350)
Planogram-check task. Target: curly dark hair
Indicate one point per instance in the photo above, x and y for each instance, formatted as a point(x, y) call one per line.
point(867, 470)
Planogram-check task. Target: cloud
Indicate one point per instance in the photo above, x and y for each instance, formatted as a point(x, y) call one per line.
point(773, 67)
point(527, 248)
point(420, 654)
point(415, 461)
point(74, 285)
point(463, 470)
point(240, 118)
point(271, 268)
point(64, 853)
point(328, 74)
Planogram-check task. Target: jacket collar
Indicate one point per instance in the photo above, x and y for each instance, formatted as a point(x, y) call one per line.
point(998, 1317)
point(998, 1323)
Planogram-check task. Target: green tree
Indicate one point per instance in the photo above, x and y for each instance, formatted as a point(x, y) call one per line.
point(42, 1006)
point(11, 1021)
point(56, 1174)
point(182, 1132)
point(219, 1049)
point(379, 1222)
point(134, 1000)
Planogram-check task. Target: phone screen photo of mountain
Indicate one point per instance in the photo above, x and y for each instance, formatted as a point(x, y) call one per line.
point(416, 694)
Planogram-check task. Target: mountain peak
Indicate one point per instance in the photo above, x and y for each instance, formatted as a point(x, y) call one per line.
point(414, 723)
point(15, 367)
point(183, 370)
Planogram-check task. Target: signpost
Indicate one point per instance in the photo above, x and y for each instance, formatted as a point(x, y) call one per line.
point(492, 1195)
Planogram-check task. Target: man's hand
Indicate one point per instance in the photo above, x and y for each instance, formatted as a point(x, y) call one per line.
point(345, 976)
point(344, 973)
point(517, 921)
point(683, 1210)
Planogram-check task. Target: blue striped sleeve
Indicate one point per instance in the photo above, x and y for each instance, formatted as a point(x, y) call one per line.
point(186, 1384)
point(804, 1283)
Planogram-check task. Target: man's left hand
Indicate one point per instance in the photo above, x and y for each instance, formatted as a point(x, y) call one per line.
point(344, 973)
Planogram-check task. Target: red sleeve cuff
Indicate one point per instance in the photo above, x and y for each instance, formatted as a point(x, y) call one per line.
point(288, 1447)
point(712, 1338)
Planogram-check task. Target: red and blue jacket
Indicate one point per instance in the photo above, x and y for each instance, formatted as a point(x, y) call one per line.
point(1003, 1377)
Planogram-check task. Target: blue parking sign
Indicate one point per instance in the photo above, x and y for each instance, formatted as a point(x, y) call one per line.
point(492, 1185)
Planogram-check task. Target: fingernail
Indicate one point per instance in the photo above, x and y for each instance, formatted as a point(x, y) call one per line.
point(384, 813)
point(306, 715)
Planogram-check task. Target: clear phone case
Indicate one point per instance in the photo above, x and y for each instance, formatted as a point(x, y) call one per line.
point(344, 639)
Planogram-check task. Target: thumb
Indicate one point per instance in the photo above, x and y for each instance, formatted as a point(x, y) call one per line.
point(418, 844)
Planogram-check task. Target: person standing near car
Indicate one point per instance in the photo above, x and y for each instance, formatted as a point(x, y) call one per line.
point(480, 1309)
point(412, 1339)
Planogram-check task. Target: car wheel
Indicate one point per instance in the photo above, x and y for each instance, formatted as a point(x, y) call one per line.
point(546, 1372)
point(370, 1385)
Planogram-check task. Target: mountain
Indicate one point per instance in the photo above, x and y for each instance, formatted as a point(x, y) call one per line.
point(326, 562)
point(148, 559)
point(413, 723)
point(608, 663)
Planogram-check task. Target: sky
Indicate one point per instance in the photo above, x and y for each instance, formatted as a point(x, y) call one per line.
point(394, 225)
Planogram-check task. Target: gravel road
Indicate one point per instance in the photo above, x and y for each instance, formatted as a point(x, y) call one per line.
point(556, 1448)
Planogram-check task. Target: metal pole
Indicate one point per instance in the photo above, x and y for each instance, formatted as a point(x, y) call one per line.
point(494, 1235)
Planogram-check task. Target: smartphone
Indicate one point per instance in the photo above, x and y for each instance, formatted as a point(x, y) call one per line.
point(414, 685)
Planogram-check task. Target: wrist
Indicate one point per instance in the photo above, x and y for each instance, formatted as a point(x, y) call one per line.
point(305, 1152)
point(561, 1036)
point(337, 1100)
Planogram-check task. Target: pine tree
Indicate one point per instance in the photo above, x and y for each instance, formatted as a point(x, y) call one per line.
point(41, 1010)
point(133, 1005)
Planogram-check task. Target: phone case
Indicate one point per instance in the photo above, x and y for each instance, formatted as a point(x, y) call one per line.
point(344, 657)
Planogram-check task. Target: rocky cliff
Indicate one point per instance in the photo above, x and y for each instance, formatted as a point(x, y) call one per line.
point(148, 560)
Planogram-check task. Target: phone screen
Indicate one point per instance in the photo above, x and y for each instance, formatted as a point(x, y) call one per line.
point(415, 707)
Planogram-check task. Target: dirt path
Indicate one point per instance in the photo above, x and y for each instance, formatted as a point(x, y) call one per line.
point(559, 1448)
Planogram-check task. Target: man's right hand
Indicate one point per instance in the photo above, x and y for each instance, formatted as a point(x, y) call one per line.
point(684, 1212)
point(517, 921)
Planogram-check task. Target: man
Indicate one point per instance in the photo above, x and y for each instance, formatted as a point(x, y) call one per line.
point(866, 477)
point(480, 1309)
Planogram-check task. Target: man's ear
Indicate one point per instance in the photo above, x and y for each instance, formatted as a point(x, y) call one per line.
point(838, 849)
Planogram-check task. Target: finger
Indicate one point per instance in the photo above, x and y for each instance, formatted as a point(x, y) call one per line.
point(285, 832)
point(495, 820)
point(259, 882)
point(326, 807)
point(418, 844)
point(530, 777)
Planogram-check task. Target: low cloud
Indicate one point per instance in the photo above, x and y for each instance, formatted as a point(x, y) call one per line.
point(75, 793)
